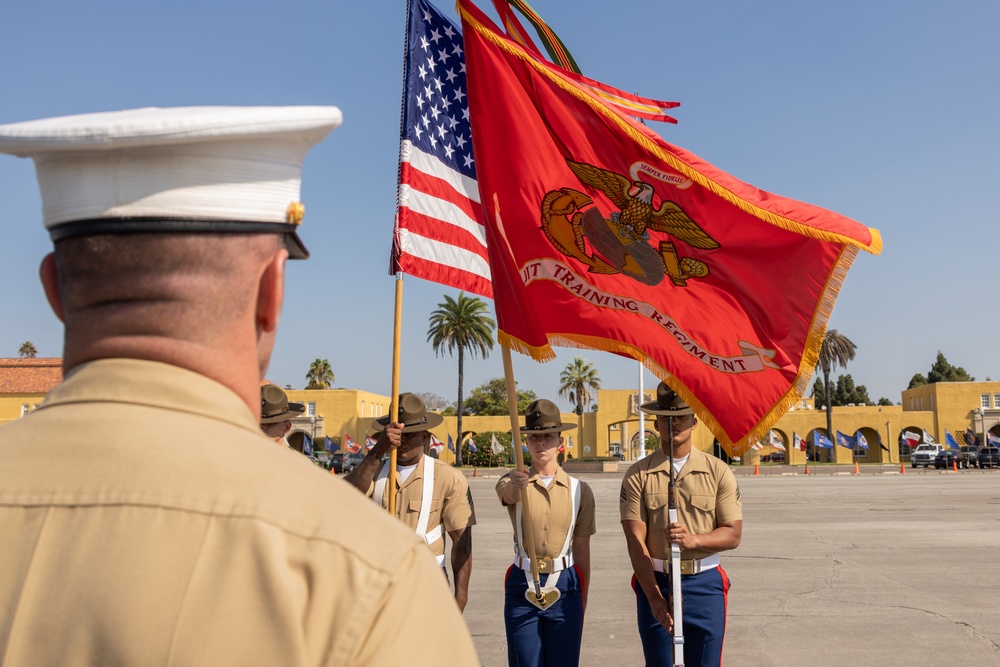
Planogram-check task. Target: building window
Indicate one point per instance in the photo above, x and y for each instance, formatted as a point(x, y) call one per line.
point(984, 401)
point(996, 400)
point(24, 409)
point(362, 408)
point(311, 409)
point(930, 402)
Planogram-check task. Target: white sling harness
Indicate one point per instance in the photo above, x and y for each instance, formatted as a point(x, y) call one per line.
point(565, 555)
point(426, 499)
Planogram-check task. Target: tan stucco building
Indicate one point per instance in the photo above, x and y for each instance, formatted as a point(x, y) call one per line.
point(937, 409)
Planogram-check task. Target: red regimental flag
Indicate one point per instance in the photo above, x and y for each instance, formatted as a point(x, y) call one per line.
point(602, 235)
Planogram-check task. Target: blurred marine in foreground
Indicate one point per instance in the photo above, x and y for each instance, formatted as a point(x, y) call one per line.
point(170, 529)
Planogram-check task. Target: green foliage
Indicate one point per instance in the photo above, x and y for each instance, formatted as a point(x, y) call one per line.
point(942, 371)
point(917, 380)
point(484, 457)
point(884, 401)
point(27, 350)
point(490, 399)
point(846, 392)
point(577, 381)
point(819, 393)
point(320, 375)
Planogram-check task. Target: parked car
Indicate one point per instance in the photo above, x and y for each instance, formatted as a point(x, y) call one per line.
point(924, 455)
point(989, 457)
point(776, 457)
point(344, 462)
point(968, 456)
point(946, 459)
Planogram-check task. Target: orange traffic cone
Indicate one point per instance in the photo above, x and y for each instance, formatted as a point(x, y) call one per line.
point(857, 471)
point(902, 468)
point(807, 467)
point(954, 466)
point(475, 472)
point(756, 468)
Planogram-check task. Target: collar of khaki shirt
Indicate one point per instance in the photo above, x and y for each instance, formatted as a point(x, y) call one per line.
point(153, 384)
point(696, 462)
point(560, 478)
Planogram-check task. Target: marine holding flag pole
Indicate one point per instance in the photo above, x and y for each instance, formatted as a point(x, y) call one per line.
point(675, 555)
point(534, 597)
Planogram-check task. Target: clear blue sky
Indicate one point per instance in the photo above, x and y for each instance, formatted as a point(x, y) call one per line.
point(883, 110)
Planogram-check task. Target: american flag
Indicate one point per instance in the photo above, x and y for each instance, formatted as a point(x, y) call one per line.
point(439, 234)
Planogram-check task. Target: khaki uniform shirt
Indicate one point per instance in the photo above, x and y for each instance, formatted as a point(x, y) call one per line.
point(451, 500)
point(146, 520)
point(707, 497)
point(550, 512)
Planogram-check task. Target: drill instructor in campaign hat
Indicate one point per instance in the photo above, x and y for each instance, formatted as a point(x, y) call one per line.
point(561, 517)
point(276, 413)
point(169, 529)
point(432, 498)
point(710, 521)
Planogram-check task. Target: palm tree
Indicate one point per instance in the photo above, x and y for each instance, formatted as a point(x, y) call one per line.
point(320, 375)
point(461, 325)
point(837, 350)
point(28, 350)
point(578, 379)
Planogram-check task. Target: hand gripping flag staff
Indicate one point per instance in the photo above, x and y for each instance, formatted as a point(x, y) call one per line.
point(601, 235)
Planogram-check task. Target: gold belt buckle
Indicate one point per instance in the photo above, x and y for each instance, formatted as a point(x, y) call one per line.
point(687, 567)
point(545, 566)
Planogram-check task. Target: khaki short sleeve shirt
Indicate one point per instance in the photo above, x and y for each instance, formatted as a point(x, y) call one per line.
point(708, 496)
point(550, 511)
point(451, 500)
point(170, 531)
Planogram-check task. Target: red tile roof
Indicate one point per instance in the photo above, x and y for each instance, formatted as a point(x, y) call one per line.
point(30, 376)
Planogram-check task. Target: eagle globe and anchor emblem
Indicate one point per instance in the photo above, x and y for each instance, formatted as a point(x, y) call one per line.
point(621, 243)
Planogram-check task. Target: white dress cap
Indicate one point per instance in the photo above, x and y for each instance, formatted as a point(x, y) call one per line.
point(211, 169)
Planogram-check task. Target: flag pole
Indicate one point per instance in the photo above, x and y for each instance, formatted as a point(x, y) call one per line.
point(675, 556)
point(397, 330)
point(515, 441)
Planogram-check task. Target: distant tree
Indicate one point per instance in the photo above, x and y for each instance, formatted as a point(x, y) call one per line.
point(884, 401)
point(917, 380)
point(490, 398)
point(942, 371)
point(577, 380)
point(27, 350)
point(459, 325)
point(819, 393)
point(847, 392)
point(433, 401)
point(837, 350)
point(320, 375)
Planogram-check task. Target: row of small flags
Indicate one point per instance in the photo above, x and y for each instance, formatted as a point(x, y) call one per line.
point(912, 439)
point(820, 440)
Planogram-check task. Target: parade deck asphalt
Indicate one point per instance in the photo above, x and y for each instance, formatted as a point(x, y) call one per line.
point(834, 569)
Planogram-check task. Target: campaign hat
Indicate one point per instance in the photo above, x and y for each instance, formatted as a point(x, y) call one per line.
point(181, 169)
point(667, 403)
point(274, 405)
point(412, 414)
point(543, 416)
